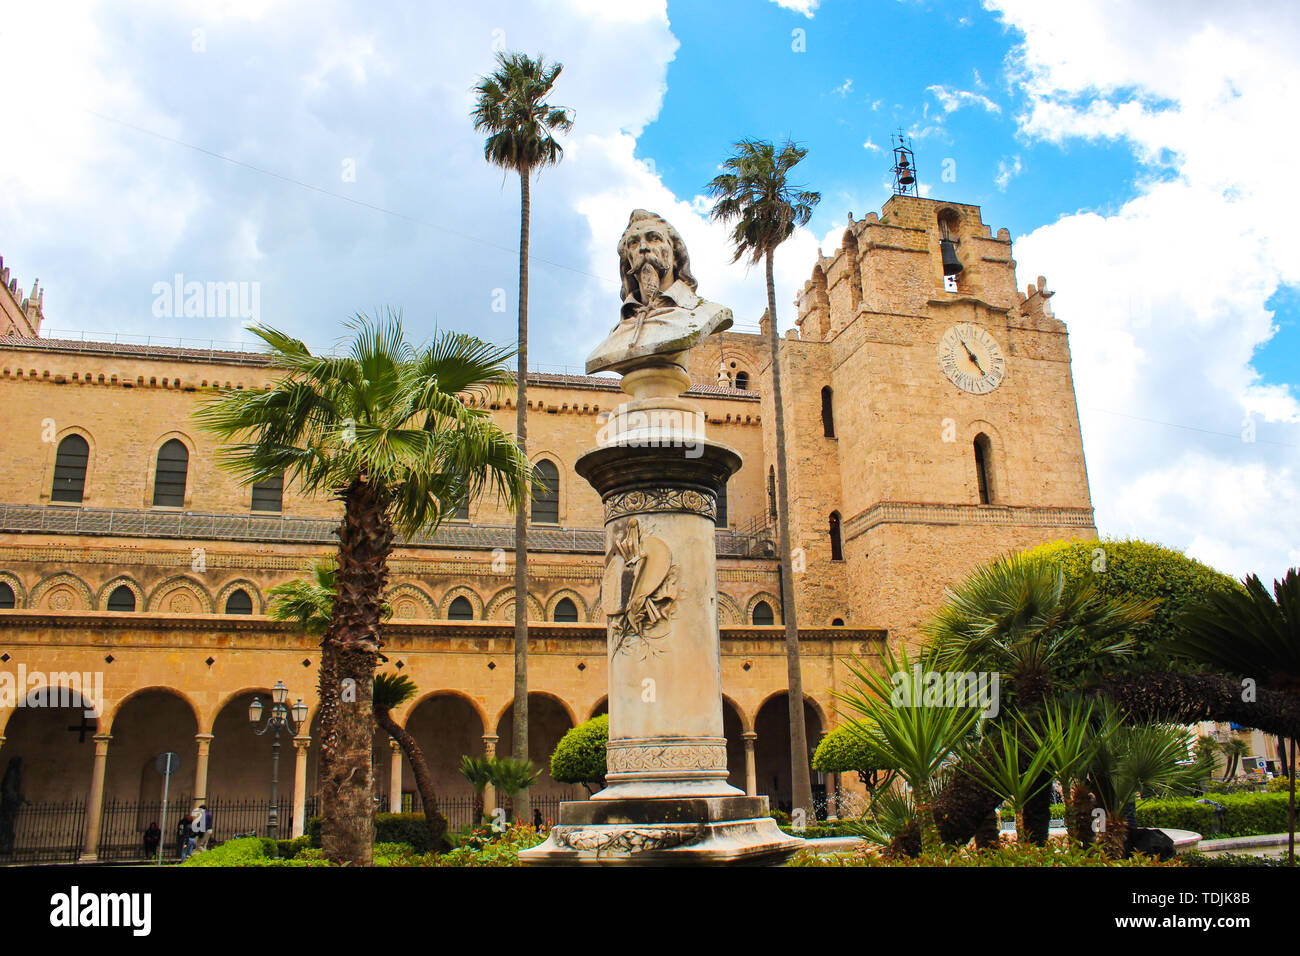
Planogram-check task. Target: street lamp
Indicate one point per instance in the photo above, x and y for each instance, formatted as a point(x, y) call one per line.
point(282, 717)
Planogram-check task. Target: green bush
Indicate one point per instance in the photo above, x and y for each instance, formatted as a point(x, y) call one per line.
point(1140, 569)
point(1010, 854)
point(288, 849)
point(1281, 785)
point(1196, 858)
point(1246, 814)
point(247, 851)
point(408, 828)
point(579, 757)
point(842, 751)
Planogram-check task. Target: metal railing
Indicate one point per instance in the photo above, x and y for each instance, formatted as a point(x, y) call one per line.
point(284, 530)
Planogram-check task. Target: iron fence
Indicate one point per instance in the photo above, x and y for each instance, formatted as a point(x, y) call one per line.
point(464, 811)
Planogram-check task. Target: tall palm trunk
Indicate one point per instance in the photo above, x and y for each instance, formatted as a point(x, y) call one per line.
point(521, 516)
point(799, 771)
point(347, 793)
point(434, 820)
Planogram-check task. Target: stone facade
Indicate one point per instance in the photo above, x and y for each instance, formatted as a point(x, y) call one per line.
point(898, 470)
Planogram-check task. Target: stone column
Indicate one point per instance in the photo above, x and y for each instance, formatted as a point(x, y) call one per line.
point(300, 744)
point(204, 742)
point(95, 799)
point(395, 777)
point(751, 767)
point(490, 792)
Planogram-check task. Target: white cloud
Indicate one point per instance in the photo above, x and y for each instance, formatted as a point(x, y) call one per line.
point(870, 147)
point(1007, 171)
point(845, 88)
point(806, 7)
point(1165, 296)
point(952, 100)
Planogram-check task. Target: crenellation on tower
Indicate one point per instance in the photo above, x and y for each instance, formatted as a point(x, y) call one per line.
point(20, 314)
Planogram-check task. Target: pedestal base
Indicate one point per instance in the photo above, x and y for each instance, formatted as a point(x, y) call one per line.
point(704, 831)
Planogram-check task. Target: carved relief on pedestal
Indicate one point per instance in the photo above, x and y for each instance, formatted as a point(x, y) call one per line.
point(627, 840)
point(683, 754)
point(639, 591)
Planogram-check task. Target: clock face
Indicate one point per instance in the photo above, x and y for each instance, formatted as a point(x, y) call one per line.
point(971, 358)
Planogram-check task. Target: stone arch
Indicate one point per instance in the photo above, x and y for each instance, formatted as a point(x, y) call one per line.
point(239, 584)
point(181, 594)
point(411, 706)
point(734, 728)
point(584, 612)
point(821, 303)
point(151, 465)
point(772, 748)
point(773, 602)
point(15, 582)
point(62, 592)
point(496, 607)
point(211, 717)
point(468, 593)
point(549, 718)
point(122, 580)
point(51, 453)
point(853, 274)
point(728, 610)
point(55, 763)
point(152, 689)
point(746, 721)
point(448, 725)
point(409, 601)
point(599, 707)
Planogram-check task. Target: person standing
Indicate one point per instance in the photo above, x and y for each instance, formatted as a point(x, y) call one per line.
point(185, 837)
point(152, 837)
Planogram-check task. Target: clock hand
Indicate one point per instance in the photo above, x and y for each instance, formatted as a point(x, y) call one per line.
point(974, 360)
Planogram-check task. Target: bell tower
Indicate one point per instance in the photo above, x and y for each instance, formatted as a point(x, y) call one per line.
point(931, 415)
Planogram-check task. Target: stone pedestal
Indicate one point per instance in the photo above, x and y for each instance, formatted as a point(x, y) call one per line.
point(667, 800)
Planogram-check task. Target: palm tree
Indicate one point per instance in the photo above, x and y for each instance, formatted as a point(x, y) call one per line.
point(1233, 749)
point(386, 430)
point(1252, 634)
point(512, 777)
point(1019, 617)
point(755, 194)
point(478, 771)
point(917, 741)
point(390, 692)
point(520, 128)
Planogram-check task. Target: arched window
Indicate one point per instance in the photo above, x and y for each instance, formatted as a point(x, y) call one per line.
point(721, 521)
point(566, 611)
point(828, 412)
point(460, 610)
point(838, 622)
point(462, 511)
point(8, 600)
point(742, 380)
point(762, 613)
point(70, 469)
point(239, 603)
point(122, 599)
point(984, 467)
point(771, 491)
point(269, 495)
point(546, 506)
point(169, 479)
point(837, 546)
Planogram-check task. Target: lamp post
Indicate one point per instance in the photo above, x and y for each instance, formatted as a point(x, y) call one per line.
point(282, 717)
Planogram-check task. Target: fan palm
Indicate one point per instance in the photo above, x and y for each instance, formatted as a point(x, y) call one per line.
point(478, 771)
point(1233, 749)
point(521, 128)
point(916, 740)
point(385, 429)
point(1251, 634)
point(512, 776)
point(1020, 617)
point(755, 196)
point(390, 692)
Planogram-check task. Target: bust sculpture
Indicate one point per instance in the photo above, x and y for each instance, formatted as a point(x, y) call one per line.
point(661, 317)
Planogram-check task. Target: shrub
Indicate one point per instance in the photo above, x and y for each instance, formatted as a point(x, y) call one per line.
point(841, 751)
point(1196, 858)
point(579, 757)
point(288, 849)
point(248, 851)
point(1245, 814)
point(1281, 785)
point(1140, 569)
point(408, 828)
point(1055, 853)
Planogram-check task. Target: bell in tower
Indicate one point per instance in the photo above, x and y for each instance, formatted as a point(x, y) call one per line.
point(904, 167)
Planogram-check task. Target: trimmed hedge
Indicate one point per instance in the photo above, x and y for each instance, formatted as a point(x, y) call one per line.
point(1135, 568)
point(1245, 814)
point(1009, 854)
point(579, 757)
point(408, 828)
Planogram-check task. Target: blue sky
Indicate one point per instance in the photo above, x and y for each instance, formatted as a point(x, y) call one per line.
point(322, 150)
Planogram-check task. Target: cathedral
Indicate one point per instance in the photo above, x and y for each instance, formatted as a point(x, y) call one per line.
point(931, 427)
